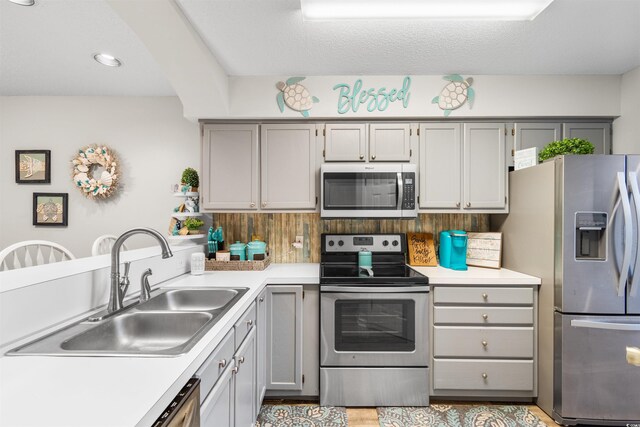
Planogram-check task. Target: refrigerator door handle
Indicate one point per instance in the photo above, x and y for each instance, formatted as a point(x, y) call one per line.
point(635, 191)
point(628, 234)
point(605, 325)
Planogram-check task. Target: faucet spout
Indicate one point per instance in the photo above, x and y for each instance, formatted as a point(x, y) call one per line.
point(116, 294)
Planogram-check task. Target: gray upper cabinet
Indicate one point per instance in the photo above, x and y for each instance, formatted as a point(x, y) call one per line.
point(288, 166)
point(599, 134)
point(440, 165)
point(229, 151)
point(390, 142)
point(345, 142)
point(530, 135)
point(284, 337)
point(485, 168)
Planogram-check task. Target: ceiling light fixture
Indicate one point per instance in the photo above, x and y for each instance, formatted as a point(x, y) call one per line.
point(108, 60)
point(23, 2)
point(489, 10)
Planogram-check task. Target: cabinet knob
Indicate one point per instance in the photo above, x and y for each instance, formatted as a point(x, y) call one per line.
point(250, 322)
point(468, 204)
point(222, 363)
point(236, 369)
point(484, 343)
point(264, 204)
point(485, 316)
point(373, 157)
point(485, 296)
point(458, 205)
point(241, 359)
point(261, 299)
point(252, 205)
point(484, 375)
point(361, 156)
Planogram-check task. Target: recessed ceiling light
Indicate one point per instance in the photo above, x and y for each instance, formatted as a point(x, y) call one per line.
point(490, 10)
point(108, 60)
point(23, 2)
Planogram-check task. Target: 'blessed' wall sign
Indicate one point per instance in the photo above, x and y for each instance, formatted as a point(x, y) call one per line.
point(350, 99)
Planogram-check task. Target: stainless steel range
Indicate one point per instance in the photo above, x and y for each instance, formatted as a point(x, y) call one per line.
point(373, 328)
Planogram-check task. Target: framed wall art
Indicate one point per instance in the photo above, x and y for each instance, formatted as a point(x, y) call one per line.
point(51, 209)
point(33, 166)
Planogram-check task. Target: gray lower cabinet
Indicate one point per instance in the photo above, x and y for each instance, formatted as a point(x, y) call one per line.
point(261, 347)
point(218, 409)
point(245, 382)
point(483, 341)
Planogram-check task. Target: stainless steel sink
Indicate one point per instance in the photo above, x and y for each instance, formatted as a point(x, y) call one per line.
point(137, 332)
point(190, 300)
point(169, 324)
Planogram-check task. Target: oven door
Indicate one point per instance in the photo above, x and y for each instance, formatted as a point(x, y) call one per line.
point(373, 326)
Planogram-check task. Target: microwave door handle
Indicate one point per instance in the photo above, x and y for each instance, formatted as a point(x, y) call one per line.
point(628, 234)
point(635, 191)
point(400, 192)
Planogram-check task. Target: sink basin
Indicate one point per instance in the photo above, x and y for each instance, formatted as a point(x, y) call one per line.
point(140, 332)
point(190, 300)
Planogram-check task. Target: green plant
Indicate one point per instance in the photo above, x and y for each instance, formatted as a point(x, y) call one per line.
point(193, 223)
point(190, 177)
point(566, 146)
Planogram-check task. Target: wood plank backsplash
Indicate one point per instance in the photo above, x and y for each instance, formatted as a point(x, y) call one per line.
point(280, 229)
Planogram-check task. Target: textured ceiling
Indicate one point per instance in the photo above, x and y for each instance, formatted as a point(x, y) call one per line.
point(48, 49)
point(260, 37)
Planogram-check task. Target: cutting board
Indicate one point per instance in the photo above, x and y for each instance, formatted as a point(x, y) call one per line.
point(422, 251)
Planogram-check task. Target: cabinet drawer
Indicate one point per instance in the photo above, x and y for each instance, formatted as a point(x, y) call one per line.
point(482, 295)
point(215, 365)
point(483, 315)
point(483, 375)
point(453, 341)
point(244, 325)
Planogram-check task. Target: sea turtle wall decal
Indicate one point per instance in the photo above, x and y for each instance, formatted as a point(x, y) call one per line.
point(455, 93)
point(295, 96)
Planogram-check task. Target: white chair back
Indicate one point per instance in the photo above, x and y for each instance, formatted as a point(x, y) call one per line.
point(32, 252)
point(103, 245)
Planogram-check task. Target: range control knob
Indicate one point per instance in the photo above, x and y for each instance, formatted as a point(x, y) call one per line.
point(340, 243)
point(331, 243)
point(385, 243)
point(395, 243)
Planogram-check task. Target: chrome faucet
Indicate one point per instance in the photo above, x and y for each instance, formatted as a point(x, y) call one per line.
point(119, 285)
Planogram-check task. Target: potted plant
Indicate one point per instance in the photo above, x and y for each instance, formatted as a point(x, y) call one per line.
point(190, 178)
point(193, 225)
point(566, 146)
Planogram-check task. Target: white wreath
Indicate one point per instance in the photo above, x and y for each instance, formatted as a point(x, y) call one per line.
point(83, 164)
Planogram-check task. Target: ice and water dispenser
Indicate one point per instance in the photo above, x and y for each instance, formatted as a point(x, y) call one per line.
point(591, 236)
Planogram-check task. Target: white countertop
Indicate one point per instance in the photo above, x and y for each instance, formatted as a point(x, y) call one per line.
point(128, 391)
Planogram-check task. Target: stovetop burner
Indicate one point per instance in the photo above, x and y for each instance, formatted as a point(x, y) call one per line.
point(382, 274)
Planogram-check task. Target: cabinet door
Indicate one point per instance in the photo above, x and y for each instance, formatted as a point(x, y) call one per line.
point(261, 347)
point(217, 409)
point(599, 134)
point(245, 382)
point(529, 135)
point(288, 154)
point(284, 337)
point(230, 167)
point(440, 165)
point(484, 166)
point(390, 142)
point(345, 142)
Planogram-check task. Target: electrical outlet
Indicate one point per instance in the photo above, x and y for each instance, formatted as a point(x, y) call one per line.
point(300, 239)
point(180, 264)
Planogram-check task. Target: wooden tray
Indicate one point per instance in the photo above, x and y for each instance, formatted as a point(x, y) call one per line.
point(213, 265)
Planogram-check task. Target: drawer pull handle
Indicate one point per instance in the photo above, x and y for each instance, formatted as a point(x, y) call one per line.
point(235, 369)
point(484, 375)
point(241, 359)
point(485, 296)
point(222, 363)
point(250, 322)
point(485, 316)
point(484, 343)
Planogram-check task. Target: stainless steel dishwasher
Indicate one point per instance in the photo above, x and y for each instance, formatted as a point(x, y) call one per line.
point(184, 410)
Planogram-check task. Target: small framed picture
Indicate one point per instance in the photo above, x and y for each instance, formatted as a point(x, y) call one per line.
point(51, 209)
point(33, 166)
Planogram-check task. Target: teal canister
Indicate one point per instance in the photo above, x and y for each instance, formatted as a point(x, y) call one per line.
point(365, 259)
point(444, 252)
point(238, 249)
point(256, 248)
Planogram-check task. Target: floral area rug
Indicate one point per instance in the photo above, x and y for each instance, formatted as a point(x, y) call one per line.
point(301, 416)
point(459, 416)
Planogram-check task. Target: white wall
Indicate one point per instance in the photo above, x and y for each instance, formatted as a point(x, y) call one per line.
point(152, 139)
point(496, 96)
point(626, 129)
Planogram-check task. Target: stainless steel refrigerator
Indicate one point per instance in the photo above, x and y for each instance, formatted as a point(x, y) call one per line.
point(574, 223)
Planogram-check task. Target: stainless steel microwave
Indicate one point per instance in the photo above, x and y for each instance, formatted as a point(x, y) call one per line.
point(368, 190)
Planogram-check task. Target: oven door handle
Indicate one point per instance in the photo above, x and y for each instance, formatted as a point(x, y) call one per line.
point(376, 289)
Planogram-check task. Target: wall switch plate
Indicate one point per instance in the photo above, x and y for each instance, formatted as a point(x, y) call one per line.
point(299, 242)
